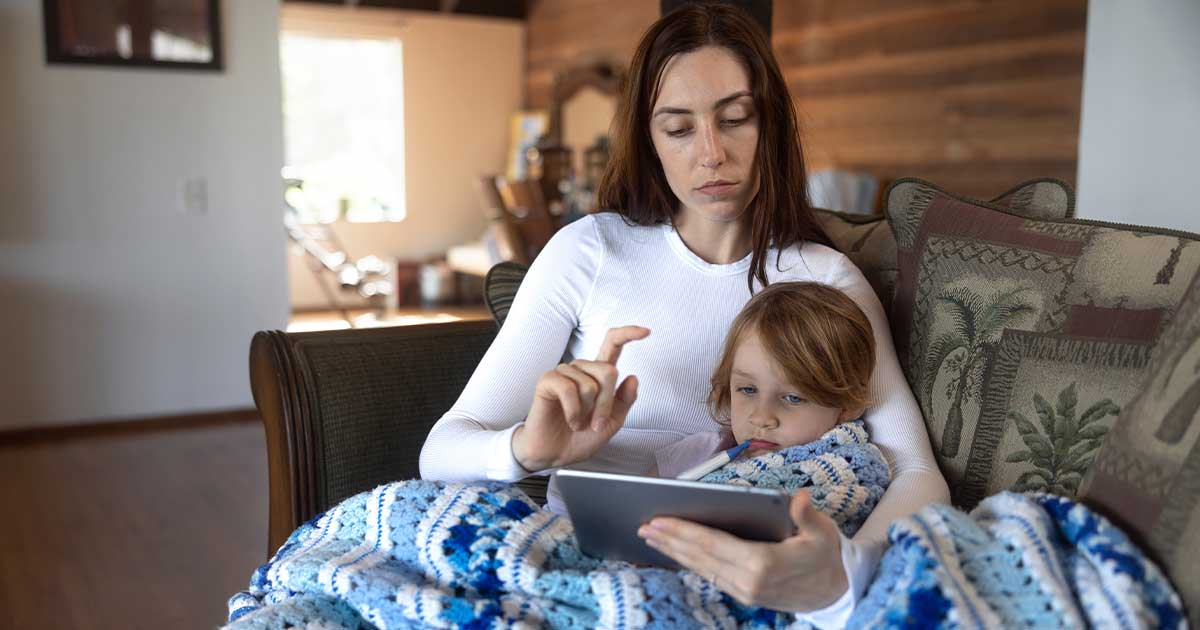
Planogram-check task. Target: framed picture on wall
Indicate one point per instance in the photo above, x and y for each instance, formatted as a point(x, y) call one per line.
point(149, 33)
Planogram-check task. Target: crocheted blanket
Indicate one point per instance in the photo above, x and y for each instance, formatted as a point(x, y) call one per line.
point(1017, 561)
point(420, 554)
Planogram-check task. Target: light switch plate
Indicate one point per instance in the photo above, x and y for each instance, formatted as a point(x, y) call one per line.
point(193, 195)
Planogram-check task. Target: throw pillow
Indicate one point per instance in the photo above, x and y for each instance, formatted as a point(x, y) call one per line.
point(1023, 339)
point(868, 243)
point(1044, 198)
point(1146, 477)
point(500, 287)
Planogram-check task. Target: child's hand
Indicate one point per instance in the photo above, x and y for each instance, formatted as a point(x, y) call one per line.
point(577, 407)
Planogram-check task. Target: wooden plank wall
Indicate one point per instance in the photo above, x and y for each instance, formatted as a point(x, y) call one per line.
point(971, 94)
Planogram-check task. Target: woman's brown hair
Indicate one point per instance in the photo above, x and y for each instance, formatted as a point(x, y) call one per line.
point(817, 335)
point(634, 184)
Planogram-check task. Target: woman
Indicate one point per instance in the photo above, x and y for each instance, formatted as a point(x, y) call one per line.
point(708, 202)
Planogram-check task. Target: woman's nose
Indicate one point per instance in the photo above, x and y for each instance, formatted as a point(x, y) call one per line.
point(712, 150)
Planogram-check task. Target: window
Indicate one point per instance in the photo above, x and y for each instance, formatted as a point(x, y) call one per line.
point(343, 117)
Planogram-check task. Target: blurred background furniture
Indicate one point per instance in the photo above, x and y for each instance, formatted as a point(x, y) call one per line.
point(561, 172)
point(518, 226)
point(369, 276)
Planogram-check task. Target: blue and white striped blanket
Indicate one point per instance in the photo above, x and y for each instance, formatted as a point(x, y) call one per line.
point(421, 554)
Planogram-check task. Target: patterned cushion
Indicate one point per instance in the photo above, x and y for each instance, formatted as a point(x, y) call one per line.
point(500, 287)
point(1023, 339)
point(1044, 198)
point(1147, 475)
point(866, 240)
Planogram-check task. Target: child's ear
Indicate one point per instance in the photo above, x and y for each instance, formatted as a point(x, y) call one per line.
point(850, 414)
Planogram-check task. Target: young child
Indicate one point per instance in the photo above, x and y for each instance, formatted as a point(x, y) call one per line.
point(797, 362)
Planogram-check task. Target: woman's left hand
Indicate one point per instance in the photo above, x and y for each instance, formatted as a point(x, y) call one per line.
point(798, 574)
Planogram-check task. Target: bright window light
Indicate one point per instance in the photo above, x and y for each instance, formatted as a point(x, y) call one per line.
point(343, 110)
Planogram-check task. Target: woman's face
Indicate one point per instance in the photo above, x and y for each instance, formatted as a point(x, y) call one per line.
point(705, 131)
point(763, 406)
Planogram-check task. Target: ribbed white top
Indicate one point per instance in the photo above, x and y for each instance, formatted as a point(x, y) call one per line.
point(598, 273)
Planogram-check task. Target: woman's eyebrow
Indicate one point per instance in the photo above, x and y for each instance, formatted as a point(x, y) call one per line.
point(718, 105)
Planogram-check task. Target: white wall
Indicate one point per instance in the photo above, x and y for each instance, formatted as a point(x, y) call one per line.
point(463, 79)
point(113, 302)
point(1139, 145)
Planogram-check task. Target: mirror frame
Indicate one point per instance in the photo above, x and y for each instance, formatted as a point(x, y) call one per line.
point(605, 75)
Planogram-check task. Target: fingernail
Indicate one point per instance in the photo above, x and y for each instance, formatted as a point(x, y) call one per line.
point(650, 543)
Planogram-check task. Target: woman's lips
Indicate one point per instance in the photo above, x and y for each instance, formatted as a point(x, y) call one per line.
point(716, 190)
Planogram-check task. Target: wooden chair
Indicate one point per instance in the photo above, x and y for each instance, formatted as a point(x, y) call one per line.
point(526, 210)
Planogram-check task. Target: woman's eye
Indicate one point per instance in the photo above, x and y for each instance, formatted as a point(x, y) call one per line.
point(747, 390)
point(677, 133)
point(733, 122)
point(793, 399)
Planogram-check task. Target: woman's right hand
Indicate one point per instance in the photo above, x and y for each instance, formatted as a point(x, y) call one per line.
point(577, 407)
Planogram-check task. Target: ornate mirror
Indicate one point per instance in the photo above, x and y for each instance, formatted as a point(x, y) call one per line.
point(583, 104)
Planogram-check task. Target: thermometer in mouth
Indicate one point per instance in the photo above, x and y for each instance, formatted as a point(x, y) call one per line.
point(714, 462)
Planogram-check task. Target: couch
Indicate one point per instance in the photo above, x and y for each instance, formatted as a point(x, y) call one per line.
point(1046, 352)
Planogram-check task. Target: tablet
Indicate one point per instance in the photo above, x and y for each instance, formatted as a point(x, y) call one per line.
point(607, 510)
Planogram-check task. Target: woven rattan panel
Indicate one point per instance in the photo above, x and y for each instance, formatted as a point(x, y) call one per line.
point(377, 402)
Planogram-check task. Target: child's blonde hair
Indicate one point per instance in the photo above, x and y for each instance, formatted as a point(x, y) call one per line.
point(818, 336)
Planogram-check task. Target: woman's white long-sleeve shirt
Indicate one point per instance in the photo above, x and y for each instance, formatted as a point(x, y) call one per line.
point(600, 272)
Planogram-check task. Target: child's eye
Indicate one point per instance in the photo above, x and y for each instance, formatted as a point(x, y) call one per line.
point(793, 399)
point(747, 390)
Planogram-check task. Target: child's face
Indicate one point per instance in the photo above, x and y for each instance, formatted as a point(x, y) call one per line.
point(764, 406)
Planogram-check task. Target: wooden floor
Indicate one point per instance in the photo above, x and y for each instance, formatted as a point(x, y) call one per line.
point(138, 530)
point(144, 528)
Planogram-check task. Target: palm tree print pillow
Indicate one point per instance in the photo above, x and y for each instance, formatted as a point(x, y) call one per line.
point(1023, 338)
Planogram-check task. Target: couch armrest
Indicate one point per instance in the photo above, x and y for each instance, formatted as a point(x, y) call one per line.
point(347, 410)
